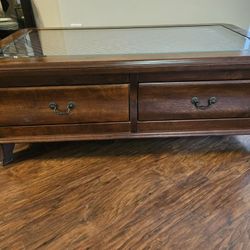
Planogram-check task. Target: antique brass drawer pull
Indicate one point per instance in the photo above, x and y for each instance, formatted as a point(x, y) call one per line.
point(54, 106)
point(196, 102)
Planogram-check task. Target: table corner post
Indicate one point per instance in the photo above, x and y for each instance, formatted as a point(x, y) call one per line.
point(6, 154)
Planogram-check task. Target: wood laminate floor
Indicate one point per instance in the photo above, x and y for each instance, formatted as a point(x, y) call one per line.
point(181, 193)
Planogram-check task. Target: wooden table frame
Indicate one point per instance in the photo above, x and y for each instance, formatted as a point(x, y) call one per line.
point(221, 68)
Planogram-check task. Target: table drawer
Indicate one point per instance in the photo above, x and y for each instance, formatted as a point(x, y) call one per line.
point(64, 105)
point(194, 100)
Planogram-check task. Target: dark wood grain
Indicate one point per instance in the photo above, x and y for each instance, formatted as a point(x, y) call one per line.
point(196, 127)
point(30, 106)
point(134, 102)
point(172, 101)
point(147, 194)
point(196, 75)
point(74, 77)
point(108, 131)
point(65, 132)
point(130, 64)
point(59, 78)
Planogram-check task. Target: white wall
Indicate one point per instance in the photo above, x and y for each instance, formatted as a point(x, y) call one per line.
point(141, 12)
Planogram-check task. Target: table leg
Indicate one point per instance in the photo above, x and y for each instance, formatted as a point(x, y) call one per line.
point(6, 153)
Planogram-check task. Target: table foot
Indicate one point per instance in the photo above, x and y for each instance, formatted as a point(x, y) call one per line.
point(6, 154)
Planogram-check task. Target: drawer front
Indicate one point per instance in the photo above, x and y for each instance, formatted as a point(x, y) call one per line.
point(64, 105)
point(195, 100)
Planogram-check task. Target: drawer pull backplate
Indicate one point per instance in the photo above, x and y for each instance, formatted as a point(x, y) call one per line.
point(196, 102)
point(55, 107)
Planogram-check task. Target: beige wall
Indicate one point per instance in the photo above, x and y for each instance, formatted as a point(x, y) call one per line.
point(141, 12)
point(47, 13)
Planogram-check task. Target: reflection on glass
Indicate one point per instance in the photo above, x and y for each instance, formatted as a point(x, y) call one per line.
point(27, 45)
point(247, 43)
point(128, 41)
point(22, 47)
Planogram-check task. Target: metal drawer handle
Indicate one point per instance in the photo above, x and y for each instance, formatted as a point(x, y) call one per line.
point(54, 106)
point(196, 102)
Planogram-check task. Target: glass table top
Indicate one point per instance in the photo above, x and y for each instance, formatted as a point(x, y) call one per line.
point(126, 41)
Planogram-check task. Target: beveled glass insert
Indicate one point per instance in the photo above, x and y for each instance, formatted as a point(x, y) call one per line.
point(127, 41)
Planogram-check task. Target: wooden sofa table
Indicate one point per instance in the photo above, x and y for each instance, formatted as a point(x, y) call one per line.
point(129, 82)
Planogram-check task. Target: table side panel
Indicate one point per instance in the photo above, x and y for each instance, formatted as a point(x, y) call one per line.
point(65, 77)
point(196, 127)
point(64, 132)
point(196, 75)
point(106, 131)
